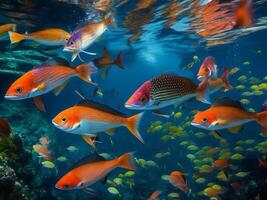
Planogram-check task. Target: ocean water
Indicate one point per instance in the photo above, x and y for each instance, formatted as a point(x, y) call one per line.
point(154, 39)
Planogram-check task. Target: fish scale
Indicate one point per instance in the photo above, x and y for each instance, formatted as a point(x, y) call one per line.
point(167, 87)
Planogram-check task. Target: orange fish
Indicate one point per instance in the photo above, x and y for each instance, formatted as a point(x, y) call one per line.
point(4, 28)
point(42, 151)
point(43, 79)
point(225, 114)
point(51, 36)
point(177, 179)
point(4, 127)
point(243, 14)
point(155, 195)
point(221, 163)
point(106, 62)
point(92, 169)
point(89, 118)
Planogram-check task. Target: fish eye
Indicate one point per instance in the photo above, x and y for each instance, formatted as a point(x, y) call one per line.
point(143, 99)
point(71, 43)
point(204, 119)
point(64, 119)
point(67, 39)
point(66, 186)
point(18, 90)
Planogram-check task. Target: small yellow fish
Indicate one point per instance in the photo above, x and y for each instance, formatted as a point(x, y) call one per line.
point(241, 174)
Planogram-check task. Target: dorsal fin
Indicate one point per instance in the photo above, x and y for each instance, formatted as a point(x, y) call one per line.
point(88, 159)
point(225, 101)
point(105, 53)
point(54, 61)
point(98, 106)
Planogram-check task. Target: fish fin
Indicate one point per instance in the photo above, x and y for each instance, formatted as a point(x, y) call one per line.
point(126, 161)
point(203, 91)
point(159, 113)
point(89, 191)
point(40, 87)
point(15, 37)
point(74, 55)
point(226, 83)
point(88, 53)
point(132, 124)
point(57, 90)
point(89, 140)
point(39, 103)
point(110, 131)
point(217, 122)
point(236, 129)
point(104, 180)
point(88, 159)
point(105, 53)
point(225, 101)
point(85, 71)
point(217, 134)
point(261, 119)
point(104, 73)
point(118, 61)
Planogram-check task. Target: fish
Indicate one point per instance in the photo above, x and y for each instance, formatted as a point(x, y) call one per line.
point(46, 78)
point(62, 159)
point(42, 151)
point(208, 68)
point(221, 163)
point(166, 90)
point(106, 62)
point(243, 14)
point(44, 141)
point(177, 179)
point(85, 35)
point(155, 195)
point(226, 113)
point(92, 169)
point(4, 28)
point(72, 149)
point(49, 37)
point(89, 118)
point(114, 191)
point(5, 128)
point(48, 164)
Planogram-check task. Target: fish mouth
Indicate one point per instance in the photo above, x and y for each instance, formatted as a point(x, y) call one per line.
point(132, 106)
point(12, 97)
point(67, 129)
point(195, 124)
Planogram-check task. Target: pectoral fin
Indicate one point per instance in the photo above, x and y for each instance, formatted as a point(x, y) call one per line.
point(161, 114)
point(236, 129)
point(89, 140)
point(219, 122)
point(110, 131)
point(57, 90)
point(74, 55)
point(39, 103)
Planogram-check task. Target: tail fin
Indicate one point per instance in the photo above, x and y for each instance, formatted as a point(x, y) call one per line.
point(261, 118)
point(89, 140)
point(226, 83)
point(119, 62)
point(15, 37)
point(85, 71)
point(203, 91)
point(127, 161)
point(132, 124)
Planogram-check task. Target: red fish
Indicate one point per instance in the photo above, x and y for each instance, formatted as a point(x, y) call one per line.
point(92, 169)
point(166, 90)
point(44, 141)
point(44, 79)
point(208, 68)
point(4, 127)
point(155, 195)
point(177, 179)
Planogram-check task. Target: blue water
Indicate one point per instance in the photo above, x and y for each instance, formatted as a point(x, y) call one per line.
point(158, 50)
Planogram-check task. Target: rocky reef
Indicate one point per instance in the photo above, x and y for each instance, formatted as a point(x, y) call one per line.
point(21, 174)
